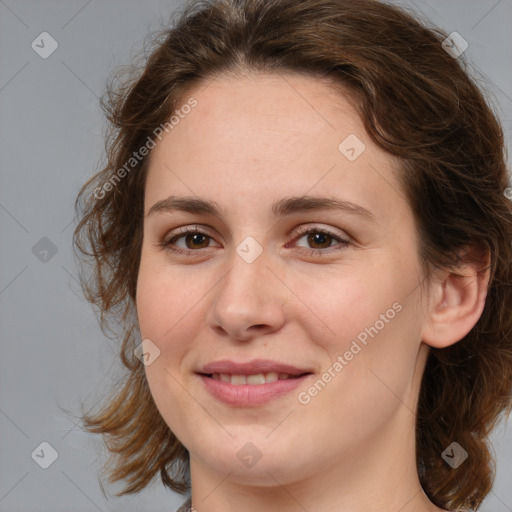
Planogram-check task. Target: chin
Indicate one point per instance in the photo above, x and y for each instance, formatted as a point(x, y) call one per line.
point(250, 463)
point(263, 473)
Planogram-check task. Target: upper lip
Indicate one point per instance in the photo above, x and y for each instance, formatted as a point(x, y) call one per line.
point(253, 367)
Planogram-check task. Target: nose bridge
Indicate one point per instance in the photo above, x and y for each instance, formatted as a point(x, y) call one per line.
point(246, 295)
point(248, 272)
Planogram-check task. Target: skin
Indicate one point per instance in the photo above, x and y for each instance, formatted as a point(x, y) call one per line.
point(253, 139)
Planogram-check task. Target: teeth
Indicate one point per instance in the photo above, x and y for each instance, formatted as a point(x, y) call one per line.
point(255, 379)
point(238, 379)
point(252, 380)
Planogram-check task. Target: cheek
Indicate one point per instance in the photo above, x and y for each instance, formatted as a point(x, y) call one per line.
point(365, 384)
point(369, 319)
point(164, 296)
point(150, 306)
point(339, 305)
point(170, 309)
point(166, 317)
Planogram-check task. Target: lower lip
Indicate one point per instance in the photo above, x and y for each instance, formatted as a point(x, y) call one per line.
point(245, 395)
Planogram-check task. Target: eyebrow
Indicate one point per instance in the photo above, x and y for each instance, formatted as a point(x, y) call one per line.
point(281, 208)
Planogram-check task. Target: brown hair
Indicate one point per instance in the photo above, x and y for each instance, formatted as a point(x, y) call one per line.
point(417, 102)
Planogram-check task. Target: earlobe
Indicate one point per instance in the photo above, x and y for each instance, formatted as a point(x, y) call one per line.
point(458, 299)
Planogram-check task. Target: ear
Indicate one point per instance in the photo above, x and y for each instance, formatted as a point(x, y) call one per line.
point(457, 298)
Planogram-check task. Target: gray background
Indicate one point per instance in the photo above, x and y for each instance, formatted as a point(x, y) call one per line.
point(51, 141)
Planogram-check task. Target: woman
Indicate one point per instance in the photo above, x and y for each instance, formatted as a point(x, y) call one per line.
point(303, 230)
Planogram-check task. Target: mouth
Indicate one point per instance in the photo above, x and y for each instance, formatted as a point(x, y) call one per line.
point(253, 380)
point(253, 383)
point(239, 392)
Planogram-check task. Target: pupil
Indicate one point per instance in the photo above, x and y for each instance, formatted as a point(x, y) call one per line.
point(194, 237)
point(313, 238)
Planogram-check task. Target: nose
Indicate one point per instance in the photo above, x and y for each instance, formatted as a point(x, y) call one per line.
point(248, 300)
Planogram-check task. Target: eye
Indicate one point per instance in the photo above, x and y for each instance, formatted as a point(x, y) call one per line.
point(316, 236)
point(195, 239)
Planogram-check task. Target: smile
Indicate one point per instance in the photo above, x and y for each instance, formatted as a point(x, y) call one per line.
point(251, 390)
point(252, 380)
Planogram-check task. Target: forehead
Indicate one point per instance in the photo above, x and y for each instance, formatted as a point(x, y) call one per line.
point(288, 112)
point(263, 135)
point(267, 104)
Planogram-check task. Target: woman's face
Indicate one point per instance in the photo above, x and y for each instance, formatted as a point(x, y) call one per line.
point(338, 309)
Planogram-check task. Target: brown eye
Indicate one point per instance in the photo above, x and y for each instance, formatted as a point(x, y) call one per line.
point(320, 240)
point(194, 240)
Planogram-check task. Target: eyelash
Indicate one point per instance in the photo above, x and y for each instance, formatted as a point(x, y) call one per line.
point(166, 243)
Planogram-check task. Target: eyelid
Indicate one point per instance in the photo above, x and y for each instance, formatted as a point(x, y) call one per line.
point(201, 228)
point(189, 230)
point(343, 238)
point(315, 227)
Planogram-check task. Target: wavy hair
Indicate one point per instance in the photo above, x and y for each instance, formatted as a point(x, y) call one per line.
point(417, 102)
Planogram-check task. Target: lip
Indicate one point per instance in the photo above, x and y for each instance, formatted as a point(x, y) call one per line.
point(246, 395)
point(251, 367)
